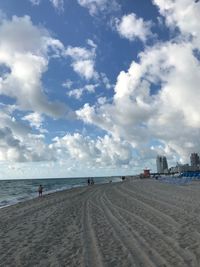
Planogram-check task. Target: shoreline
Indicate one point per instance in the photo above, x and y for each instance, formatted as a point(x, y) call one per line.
point(48, 192)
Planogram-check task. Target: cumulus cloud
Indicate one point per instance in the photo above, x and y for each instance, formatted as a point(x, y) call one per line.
point(96, 6)
point(36, 120)
point(77, 93)
point(131, 27)
point(83, 60)
point(17, 143)
point(85, 68)
point(154, 115)
point(26, 62)
point(155, 105)
point(58, 5)
point(183, 15)
point(17, 149)
point(104, 151)
point(156, 100)
point(10, 146)
point(25, 52)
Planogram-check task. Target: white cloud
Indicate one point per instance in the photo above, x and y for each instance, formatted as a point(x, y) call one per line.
point(155, 107)
point(96, 6)
point(20, 148)
point(91, 87)
point(17, 143)
point(104, 151)
point(102, 100)
point(8, 121)
point(36, 120)
point(58, 5)
point(106, 81)
point(27, 61)
point(83, 61)
point(67, 84)
point(35, 2)
point(85, 68)
point(77, 93)
point(155, 100)
point(91, 43)
point(183, 14)
point(132, 27)
point(79, 53)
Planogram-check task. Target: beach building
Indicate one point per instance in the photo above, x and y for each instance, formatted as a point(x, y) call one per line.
point(161, 163)
point(146, 173)
point(183, 167)
point(180, 168)
point(194, 160)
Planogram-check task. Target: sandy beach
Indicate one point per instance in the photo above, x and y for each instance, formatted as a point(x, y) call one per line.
point(132, 223)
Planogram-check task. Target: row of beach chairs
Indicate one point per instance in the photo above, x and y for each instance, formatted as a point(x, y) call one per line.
point(182, 180)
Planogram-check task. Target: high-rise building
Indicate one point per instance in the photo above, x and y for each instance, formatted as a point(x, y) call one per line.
point(194, 159)
point(161, 162)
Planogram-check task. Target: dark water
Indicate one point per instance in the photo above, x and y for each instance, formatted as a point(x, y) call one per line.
point(14, 191)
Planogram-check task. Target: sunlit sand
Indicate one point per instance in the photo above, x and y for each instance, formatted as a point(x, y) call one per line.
point(131, 223)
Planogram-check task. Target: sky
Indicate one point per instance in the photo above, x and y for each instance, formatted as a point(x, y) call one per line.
point(97, 87)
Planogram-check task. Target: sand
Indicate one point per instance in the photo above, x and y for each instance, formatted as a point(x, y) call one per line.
point(132, 223)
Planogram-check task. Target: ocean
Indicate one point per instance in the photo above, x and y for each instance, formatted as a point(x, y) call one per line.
point(14, 191)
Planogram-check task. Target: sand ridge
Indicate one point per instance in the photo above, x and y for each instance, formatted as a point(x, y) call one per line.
point(132, 223)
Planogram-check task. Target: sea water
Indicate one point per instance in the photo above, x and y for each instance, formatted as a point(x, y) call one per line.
point(14, 191)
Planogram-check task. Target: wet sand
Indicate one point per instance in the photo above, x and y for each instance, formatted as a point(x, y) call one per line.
point(132, 223)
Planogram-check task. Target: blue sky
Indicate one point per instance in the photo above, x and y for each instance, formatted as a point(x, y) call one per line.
point(97, 87)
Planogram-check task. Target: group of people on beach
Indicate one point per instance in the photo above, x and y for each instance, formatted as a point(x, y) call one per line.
point(90, 181)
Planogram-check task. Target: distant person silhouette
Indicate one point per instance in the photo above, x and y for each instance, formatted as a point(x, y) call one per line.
point(88, 181)
point(40, 190)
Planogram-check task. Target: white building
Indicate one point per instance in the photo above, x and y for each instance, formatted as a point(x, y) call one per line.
point(162, 166)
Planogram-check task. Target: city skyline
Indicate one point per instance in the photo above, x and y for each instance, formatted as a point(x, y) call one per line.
point(97, 88)
point(192, 166)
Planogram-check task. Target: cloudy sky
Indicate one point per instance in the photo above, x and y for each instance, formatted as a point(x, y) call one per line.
point(97, 87)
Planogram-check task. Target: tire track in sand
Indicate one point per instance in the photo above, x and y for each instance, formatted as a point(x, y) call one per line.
point(92, 254)
point(187, 232)
point(129, 241)
point(166, 249)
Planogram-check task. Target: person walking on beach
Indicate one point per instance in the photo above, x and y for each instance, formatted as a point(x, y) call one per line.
point(40, 190)
point(88, 181)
